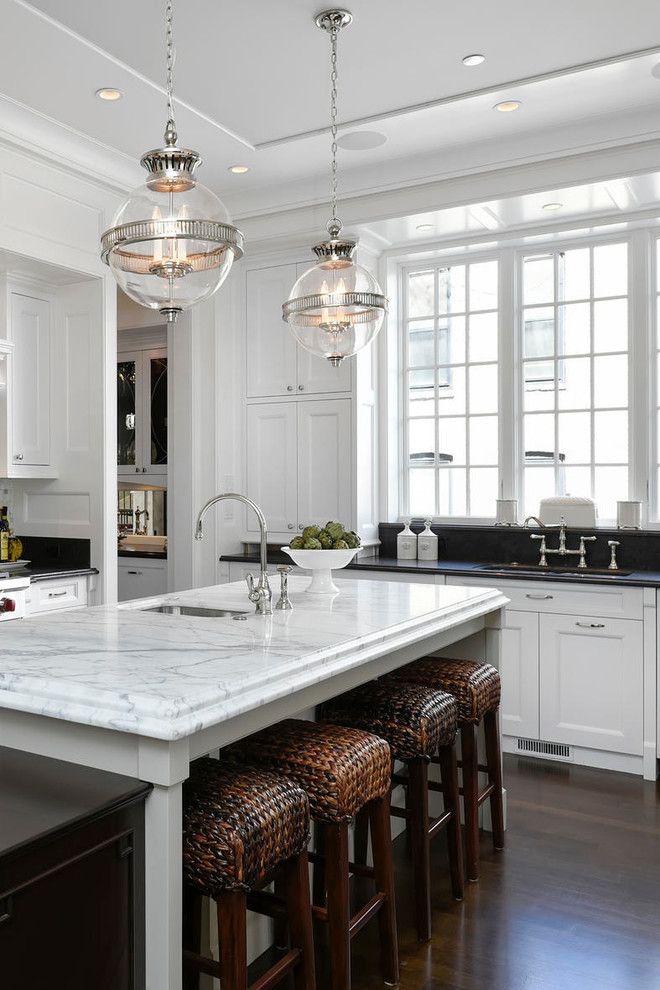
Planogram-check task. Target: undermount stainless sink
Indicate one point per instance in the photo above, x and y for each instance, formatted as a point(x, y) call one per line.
point(198, 610)
point(556, 571)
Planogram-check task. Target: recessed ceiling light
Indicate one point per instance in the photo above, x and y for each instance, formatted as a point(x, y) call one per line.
point(507, 106)
point(424, 226)
point(361, 140)
point(239, 169)
point(109, 94)
point(474, 59)
point(551, 207)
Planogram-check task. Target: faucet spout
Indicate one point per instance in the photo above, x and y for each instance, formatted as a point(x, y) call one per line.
point(260, 593)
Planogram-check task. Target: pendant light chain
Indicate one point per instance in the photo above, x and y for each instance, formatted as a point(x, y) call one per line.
point(171, 57)
point(334, 224)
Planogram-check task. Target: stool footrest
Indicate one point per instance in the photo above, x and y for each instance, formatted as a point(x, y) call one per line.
point(273, 976)
point(356, 869)
point(264, 902)
point(365, 914)
point(439, 822)
point(482, 768)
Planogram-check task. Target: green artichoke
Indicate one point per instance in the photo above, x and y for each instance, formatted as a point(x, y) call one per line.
point(297, 543)
point(312, 544)
point(335, 529)
point(310, 533)
point(340, 545)
point(325, 539)
point(352, 539)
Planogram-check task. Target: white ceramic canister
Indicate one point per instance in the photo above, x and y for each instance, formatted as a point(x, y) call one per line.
point(427, 543)
point(406, 543)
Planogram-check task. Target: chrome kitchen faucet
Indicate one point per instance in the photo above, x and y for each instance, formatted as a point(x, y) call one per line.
point(562, 550)
point(259, 594)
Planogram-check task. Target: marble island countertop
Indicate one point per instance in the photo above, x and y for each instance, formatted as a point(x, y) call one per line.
point(167, 676)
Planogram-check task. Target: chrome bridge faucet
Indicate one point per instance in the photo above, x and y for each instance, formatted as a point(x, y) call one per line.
point(259, 594)
point(562, 550)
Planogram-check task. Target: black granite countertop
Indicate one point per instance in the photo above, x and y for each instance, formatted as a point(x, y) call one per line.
point(636, 578)
point(152, 554)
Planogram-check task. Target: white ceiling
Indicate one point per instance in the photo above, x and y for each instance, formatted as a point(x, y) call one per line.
point(251, 78)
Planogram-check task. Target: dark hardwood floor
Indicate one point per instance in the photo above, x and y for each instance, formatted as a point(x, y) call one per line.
point(573, 901)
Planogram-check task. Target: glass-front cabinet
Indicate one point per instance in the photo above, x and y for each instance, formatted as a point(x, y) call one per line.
point(142, 412)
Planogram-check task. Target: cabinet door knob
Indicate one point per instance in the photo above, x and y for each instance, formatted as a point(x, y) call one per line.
point(136, 470)
point(144, 470)
point(301, 527)
point(18, 457)
point(291, 526)
point(301, 388)
point(289, 388)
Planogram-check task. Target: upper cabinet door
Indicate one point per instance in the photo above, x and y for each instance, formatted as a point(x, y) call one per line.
point(271, 466)
point(324, 461)
point(129, 413)
point(271, 348)
point(154, 372)
point(30, 331)
point(315, 374)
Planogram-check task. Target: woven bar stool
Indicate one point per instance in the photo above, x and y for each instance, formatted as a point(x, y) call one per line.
point(242, 828)
point(342, 771)
point(476, 687)
point(418, 723)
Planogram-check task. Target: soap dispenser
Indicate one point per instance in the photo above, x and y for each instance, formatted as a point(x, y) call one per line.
point(406, 543)
point(427, 543)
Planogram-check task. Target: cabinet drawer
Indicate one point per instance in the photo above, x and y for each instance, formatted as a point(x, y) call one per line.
point(565, 599)
point(54, 596)
point(141, 578)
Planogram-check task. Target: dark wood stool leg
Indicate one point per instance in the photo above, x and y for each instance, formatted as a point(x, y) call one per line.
point(471, 798)
point(339, 913)
point(449, 778)
point(280, 925)
point(192, 933)
point(232, 939)
point(361, 837)
point(295, 887)
point(494, 762)
point(318, 870)
point(381, 842)
point(418, 825)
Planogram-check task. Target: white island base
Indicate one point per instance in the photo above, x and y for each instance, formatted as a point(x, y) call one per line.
point(143, 694)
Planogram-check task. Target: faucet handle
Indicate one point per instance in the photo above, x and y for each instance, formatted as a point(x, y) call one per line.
point(284, 604)
point(613, 565)
point(252, 589)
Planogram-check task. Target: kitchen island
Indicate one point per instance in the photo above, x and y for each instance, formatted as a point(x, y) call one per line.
point(143, 693)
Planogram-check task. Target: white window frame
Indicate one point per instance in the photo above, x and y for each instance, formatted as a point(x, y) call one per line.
point(643, 344)
point(404, 270)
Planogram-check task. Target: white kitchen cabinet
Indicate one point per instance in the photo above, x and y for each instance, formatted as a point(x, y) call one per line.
point(57, 594)
point(142, 414)
point(276, 364)
point(272, 466)
point(519, 671)
point(324, 464)
point(591, 682)
point(30, 333)
point(141, 577)
point(299, 468)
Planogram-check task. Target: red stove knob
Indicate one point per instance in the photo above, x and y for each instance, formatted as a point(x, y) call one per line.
point(7, 605)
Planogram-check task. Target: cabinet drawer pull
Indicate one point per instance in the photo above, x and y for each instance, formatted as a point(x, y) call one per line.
point(134, 572)
point(18, 457)
point(57, 594)
point(590, 625)
point(540, 598)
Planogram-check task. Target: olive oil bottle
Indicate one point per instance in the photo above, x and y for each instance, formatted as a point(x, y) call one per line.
point(4, 536)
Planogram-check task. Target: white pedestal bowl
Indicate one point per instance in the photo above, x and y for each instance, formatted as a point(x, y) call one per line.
point(321, 563)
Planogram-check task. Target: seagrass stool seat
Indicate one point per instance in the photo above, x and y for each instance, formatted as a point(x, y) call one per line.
point(243, 827)
point(477, 689)
point(418, 723)
point(342, 770)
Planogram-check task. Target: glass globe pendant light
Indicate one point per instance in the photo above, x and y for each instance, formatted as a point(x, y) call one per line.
point(336, 307)
point(172, 242)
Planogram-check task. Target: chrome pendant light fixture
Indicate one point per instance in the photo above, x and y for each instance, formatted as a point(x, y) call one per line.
point(335, 308)
point(172, 242)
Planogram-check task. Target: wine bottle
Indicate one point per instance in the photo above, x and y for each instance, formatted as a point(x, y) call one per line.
point(4, 535)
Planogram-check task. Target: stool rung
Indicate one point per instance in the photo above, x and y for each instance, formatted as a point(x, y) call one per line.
point(365, 914)
point(277, 971)
point(356, 869)
point(202, 964)
point(459, 763)
point(264, 902)
point(400, 778)
point(399, 812)
point(486, 793)
point(438, 822)
point(320, 913)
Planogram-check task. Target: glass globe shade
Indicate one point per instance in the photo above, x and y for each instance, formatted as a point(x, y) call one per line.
point(335, 309)
point(172, 244)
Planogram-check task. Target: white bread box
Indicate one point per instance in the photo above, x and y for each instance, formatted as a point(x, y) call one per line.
point(574, 510)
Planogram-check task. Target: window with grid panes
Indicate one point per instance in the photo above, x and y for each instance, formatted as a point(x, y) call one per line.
point(450, 404)
point(575, 375)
